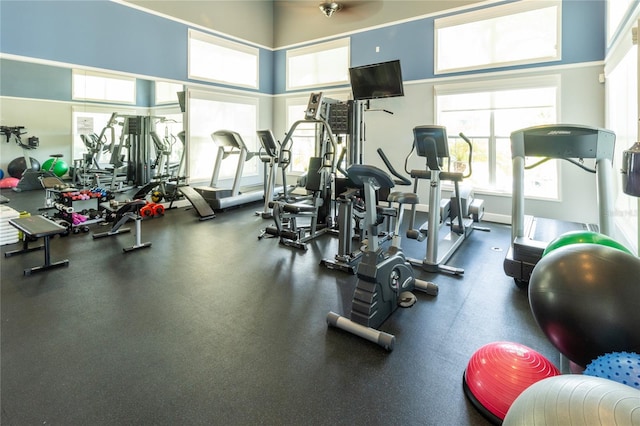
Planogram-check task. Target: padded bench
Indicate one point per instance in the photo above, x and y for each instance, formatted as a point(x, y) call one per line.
point(37, 227)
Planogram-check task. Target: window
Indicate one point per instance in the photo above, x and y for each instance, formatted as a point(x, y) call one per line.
point(517, 33)
point(107, 129)
point(322, 64)
point(487, 115)
point(101, 87)
point(166, 93)
point(209, 112)
point(304, 139)
point(104, 125)
point(622, 116)
point(616, 10)
point(222, 61)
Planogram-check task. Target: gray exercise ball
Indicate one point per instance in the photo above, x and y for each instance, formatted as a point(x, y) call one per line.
point(575, 400)
point(586, 300)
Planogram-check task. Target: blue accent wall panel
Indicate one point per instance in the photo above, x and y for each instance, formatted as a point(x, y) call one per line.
point(110, 36)
point(27, 80)
point(411, 42)
point(280, 71)
point(96, 33)
point(583, 30)
point(145, 93)
point(36, 81)
point(583, 40)
point(265, 73)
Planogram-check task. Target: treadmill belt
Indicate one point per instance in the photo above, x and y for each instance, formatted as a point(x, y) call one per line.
point(548, 229)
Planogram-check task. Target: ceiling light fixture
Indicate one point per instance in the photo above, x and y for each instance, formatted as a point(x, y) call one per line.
point(328, 8)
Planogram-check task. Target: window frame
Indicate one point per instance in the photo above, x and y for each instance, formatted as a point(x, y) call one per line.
point(495, 85)
point(163, 100)
point(250, 175)
point(225, 44)
point(314, 49)
point(77, 110)
point(80, 73)
point(502, 11)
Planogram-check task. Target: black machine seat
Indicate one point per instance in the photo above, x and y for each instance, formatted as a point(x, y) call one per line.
point(361, 173)
point(309, 207)
point(298, 208)
point(130, 207)
point(403, 197)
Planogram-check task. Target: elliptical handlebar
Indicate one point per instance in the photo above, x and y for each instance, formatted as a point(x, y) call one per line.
point(401, 179)
point(466, 139)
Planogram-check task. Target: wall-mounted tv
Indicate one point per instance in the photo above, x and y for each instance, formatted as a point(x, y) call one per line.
point(382, 80)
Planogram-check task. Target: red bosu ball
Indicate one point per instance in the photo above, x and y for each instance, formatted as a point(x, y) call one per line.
point(499, 372)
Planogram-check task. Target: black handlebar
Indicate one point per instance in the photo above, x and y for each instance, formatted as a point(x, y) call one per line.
point(401, 179)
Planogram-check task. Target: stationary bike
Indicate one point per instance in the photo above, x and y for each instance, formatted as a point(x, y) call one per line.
point(385, 279)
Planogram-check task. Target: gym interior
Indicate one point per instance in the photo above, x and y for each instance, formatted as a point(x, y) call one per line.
point(221, 212)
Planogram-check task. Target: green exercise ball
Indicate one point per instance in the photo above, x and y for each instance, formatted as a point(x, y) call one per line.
point(584, 237)
point(60, 168)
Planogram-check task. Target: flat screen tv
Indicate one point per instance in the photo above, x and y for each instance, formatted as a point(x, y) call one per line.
point(382, 80)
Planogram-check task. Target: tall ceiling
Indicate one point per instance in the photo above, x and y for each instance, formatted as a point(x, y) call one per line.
point(279, 23)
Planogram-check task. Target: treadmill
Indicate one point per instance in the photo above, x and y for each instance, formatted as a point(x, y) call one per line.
point(530, 235)
point(229, 143)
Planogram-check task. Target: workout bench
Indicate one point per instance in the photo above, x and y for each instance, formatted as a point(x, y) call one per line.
point(129, 210)
point(36, 227)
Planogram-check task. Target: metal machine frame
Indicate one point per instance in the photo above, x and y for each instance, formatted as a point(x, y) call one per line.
point(559, 141)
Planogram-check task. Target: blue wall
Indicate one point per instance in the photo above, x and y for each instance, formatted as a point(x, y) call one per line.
point(583, 40)
point(110, 36)
point(28, 80)
point(103, 34)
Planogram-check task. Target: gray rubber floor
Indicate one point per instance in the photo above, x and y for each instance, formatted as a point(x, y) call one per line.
point(213, 326)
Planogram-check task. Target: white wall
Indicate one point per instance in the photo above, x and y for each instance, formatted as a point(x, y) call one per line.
point(582, 102)
point(49, 121)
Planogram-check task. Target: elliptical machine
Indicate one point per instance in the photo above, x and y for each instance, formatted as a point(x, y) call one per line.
point(463, 210)
point(385, 279)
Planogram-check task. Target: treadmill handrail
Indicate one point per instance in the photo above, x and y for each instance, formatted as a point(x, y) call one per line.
point(601, 148)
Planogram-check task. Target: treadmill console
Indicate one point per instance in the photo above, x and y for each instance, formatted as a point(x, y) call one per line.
point(563, 141)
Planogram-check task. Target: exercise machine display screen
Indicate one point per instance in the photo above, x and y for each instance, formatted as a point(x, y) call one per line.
point(424, 135)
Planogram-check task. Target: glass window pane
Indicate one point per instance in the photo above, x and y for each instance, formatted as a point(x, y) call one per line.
point(616, 10)
point(100, 87)
point(321, 64)
point(488, 118)
point(167, 93)
point(93, 122)
point(208, 116)
point(303, 146)
point(525, 32)
point(219, 60)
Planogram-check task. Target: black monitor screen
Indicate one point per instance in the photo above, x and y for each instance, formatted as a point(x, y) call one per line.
point(436, 135)
point(383, 80)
